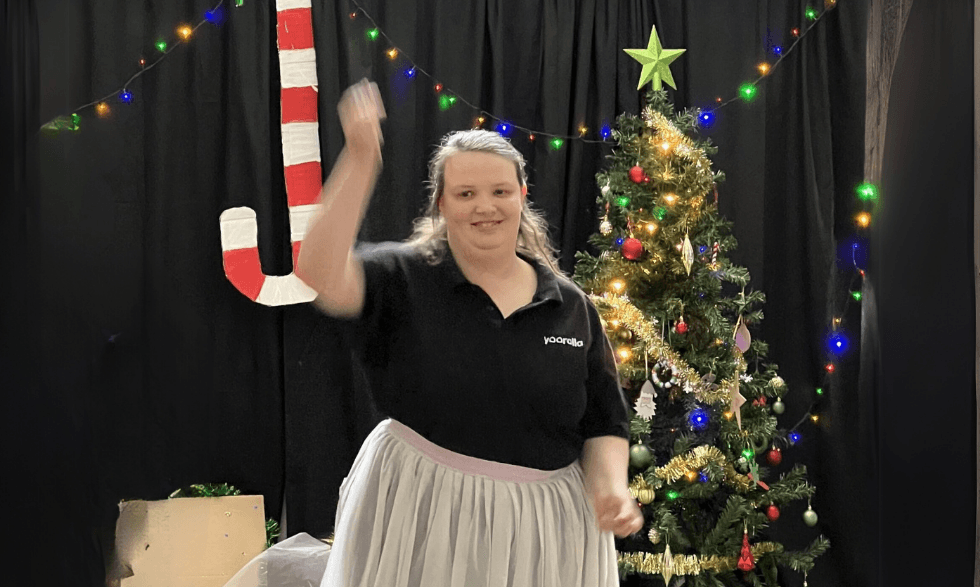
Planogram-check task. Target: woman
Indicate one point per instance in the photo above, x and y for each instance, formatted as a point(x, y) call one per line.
point(504, 460)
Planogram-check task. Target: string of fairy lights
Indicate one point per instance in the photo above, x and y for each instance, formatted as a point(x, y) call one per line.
point(446, 98)
point(183, 34)
point(838, 343)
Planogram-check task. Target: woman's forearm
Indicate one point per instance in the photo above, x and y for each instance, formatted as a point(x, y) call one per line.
point(605, 460)
point(323, 257)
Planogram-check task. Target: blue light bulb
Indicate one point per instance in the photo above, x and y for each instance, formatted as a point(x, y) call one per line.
point(698, 419)
point(794, 437)
point(216, 16)
point(606, 132)
point(837, 343)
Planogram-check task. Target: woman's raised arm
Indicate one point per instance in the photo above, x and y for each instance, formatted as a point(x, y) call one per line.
point(326, 259)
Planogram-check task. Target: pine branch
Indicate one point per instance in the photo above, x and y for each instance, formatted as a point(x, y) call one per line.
point(733, 513)
point(803, 561)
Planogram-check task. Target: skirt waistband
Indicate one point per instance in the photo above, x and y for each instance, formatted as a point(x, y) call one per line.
point(467, 464)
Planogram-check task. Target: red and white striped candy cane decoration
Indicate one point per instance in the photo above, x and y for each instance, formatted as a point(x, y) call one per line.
point(301, 158)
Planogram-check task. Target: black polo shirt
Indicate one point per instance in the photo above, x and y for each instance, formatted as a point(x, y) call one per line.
point(441, 358)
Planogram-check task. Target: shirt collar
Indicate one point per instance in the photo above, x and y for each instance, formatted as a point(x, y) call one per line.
point(547, 280)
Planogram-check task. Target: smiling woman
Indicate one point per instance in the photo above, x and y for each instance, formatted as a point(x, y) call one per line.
point(470, 337)
point(465, 163)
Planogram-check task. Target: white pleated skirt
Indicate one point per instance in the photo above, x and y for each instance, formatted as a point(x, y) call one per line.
point(413, 514)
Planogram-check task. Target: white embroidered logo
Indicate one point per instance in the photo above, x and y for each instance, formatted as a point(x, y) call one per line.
point(561, 340)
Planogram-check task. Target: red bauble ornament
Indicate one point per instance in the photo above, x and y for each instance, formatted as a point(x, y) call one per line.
point(681, 327)
point(637, 175)
point(774, 456)
point(632, 249)
point(746, 562)
point(772, 512)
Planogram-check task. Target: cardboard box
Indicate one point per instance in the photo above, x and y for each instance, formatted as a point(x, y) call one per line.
point(186, 542)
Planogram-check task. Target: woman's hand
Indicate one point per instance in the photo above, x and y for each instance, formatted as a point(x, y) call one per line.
point(361, 112)
point(617, 512)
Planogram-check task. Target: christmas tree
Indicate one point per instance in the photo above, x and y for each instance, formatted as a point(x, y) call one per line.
point(678, 314)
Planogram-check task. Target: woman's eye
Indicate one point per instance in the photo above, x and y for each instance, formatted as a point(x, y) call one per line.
point(500, 192)
point(466, 194)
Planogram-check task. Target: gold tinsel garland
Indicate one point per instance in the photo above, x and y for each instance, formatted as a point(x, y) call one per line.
point(693, 172)
point(652, 564)
point(697, 459)
point(631, 317)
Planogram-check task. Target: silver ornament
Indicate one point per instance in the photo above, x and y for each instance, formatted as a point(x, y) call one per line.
point(605, 189)
point(606, 228)
point(778, 407)
point(640, 456)
point(810, 517)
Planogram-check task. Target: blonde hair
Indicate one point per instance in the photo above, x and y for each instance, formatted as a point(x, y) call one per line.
point(430, 233)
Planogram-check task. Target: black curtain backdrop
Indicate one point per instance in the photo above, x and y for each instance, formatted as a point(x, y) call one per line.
point(136, 368)
point(921, 272)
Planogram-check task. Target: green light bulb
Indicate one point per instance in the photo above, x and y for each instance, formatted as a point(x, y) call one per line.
point(556, 143)
point(748, 453)
point(162, 46)
point(747, 91)
point(672, 495)
point(811, 13)
point(867, 192)
point(856, 295)
point(623, 201)
point(819, 391)
point(445, 102)
point(659, 213)
point(373, 34)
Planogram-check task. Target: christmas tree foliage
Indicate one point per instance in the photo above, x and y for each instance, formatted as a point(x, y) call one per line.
point(678, 314)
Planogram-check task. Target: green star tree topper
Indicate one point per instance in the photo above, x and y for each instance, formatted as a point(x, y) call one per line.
point(656, 62)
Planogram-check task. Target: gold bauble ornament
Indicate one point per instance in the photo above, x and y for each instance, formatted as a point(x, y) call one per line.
point(645, 496)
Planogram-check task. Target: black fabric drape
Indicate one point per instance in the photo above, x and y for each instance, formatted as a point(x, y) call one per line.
point(921, 271)
point(154, 372)
point(148, 371)
point(26, 459)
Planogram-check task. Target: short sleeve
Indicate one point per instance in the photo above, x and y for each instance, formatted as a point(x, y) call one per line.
point(384, 287)
point(606, 411)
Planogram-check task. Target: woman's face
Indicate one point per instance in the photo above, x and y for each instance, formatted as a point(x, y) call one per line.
point(481, 202)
